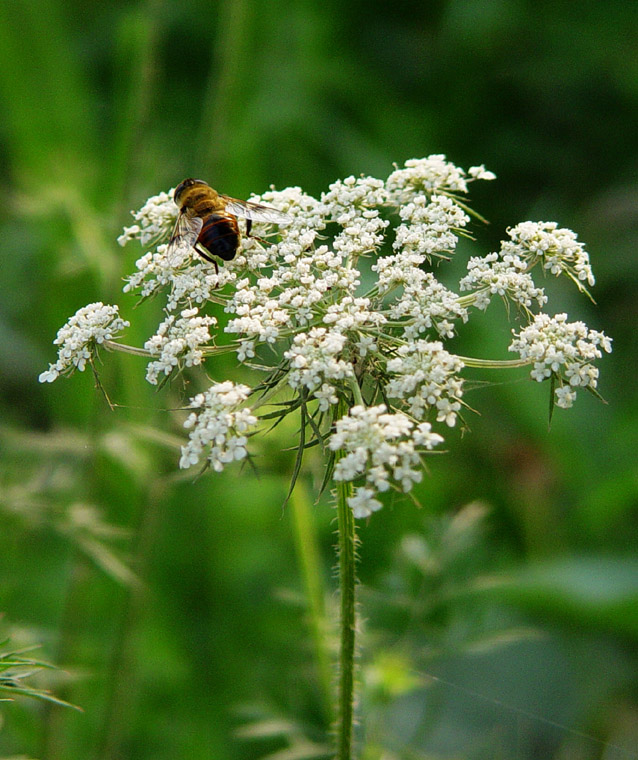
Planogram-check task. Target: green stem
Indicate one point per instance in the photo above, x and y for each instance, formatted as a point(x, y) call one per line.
point(347, 583)
point(495, 363)
point(356, 392)
point(347, 580)
point(112, 345)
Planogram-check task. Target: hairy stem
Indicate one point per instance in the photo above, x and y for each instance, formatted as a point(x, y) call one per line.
point(347, 580)
point(347, 584)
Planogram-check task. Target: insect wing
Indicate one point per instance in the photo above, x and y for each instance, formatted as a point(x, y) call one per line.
point(254, 211)
point(184, 237)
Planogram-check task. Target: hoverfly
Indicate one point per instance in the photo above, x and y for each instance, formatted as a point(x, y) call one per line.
point(207, 221)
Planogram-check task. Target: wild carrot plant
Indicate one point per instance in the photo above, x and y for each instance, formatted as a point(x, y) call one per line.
point(341, 318)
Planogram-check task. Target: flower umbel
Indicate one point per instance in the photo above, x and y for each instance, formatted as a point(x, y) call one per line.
point(79, 338)
point(557, 249)
point(358, 349)
point(427, 376)
point(156, 219)
point(381, 448)
point(504, 275)
point(563, 349)
point(220, 428)
point(178, 342)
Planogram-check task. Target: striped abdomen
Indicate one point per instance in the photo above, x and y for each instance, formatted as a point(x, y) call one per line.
point(220, 236)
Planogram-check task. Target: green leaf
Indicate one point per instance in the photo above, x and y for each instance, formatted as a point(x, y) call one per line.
point(16, 669)
point(300, 451)
point(595, 592)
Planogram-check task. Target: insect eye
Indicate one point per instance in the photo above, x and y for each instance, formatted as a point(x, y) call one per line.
point(187, 183)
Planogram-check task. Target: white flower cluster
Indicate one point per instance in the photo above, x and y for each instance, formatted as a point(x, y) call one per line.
point(427, 176)
point(563, 349)
point(383, 449)
point(352, 314)
point(306, 212)
point(155, 220)
point(178, 342)
point(259, 316)
point(428, 228)
point(315, 364)
point(557, 248)
point(187, 277)
point(220, 428)
point(505, 275)
point(353, 204)
point(88, 327)
point(195, 283)
point(426, 375)
point(290, 280)
point(346, 198)
point(299, 303)
point(424, 304)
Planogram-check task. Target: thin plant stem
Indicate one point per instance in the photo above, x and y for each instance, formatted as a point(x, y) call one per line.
point(347, 586)
point(308, 555)
point(347, 582)
point(495, 363)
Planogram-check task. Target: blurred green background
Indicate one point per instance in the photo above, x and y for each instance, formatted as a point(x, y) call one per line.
point(500, 619)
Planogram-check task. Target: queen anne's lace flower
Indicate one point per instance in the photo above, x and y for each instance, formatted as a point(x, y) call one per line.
point(429, 176)
point(352, 314)
point(557, 248)
point(178, 342)
point(563, 349)
point(347, 198)
point(298, 303)
point(314, 359)
point(352, 203)
point(306, 213)
point(429, 225)
point(480, 172)
point(258, 316)
point(220, 427)
point(424, 304)
point(382, 448)
point(155, 220)
point(504, 275)
point(188, 280)
point(89, 327)
point(427, 377)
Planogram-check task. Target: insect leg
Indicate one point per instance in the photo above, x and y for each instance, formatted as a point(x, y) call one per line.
point(200, 250)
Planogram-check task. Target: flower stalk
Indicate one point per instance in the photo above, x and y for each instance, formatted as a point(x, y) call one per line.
point(347, 625)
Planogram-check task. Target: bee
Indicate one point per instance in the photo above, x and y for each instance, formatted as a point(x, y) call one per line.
point(207, 221)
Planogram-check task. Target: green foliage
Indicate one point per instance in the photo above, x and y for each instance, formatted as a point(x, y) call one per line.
point(502, 631)
point(600, 592)
point(16, 671)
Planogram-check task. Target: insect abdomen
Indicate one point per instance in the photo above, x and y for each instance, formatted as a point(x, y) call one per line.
point(220, 236)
